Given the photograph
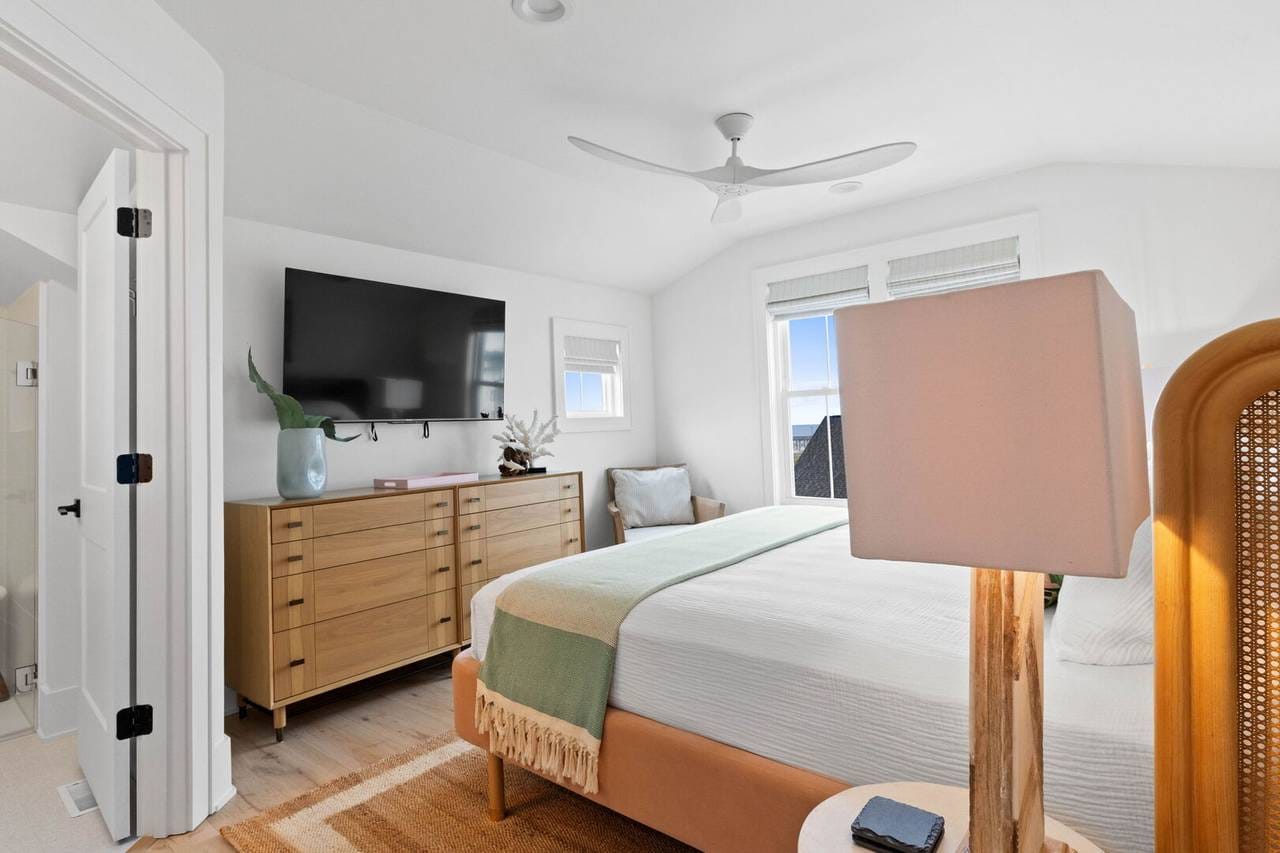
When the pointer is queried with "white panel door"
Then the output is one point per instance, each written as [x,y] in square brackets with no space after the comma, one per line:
[104,275]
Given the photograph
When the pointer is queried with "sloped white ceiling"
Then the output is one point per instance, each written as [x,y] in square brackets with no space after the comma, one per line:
[441,126]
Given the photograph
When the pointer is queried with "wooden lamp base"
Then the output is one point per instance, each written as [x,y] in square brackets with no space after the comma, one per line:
[1006,714]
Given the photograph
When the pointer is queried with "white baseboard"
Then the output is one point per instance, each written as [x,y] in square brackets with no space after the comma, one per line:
[56,711]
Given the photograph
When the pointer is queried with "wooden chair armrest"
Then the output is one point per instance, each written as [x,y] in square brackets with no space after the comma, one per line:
[619,529]
[706,509]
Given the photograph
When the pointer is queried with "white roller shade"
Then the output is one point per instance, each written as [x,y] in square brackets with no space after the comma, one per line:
[825,291]
[591,355]
[955,269]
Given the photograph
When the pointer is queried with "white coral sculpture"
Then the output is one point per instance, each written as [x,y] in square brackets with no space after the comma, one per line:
[527,441]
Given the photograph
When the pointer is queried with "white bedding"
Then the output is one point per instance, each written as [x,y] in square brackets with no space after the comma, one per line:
[858,669]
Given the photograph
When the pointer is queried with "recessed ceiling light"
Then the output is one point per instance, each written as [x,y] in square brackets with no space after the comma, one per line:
[539,11]
[845,187]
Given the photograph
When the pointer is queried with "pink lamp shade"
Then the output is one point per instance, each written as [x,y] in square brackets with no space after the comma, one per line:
[1000,427]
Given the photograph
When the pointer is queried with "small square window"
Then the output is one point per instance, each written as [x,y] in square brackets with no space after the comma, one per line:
[591,370]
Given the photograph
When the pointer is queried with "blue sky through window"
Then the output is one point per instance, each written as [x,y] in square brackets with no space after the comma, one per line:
[583,392]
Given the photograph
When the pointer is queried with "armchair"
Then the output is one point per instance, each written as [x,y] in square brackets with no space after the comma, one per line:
[704,509]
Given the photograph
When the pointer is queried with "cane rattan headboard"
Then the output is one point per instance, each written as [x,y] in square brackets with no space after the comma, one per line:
[1217,540]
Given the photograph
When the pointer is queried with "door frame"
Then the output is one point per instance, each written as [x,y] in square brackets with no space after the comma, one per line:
[130,67]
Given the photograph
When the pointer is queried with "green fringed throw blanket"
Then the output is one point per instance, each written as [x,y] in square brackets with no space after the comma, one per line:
[544,684]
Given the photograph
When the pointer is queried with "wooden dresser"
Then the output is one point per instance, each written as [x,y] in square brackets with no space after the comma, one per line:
[324,592]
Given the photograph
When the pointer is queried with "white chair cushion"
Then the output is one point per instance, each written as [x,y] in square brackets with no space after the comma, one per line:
[1106,621]
[643,534]
[652,498]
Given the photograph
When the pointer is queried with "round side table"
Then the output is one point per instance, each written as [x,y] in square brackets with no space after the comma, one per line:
[826,829]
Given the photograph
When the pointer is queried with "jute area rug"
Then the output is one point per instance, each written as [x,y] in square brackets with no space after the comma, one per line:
[433,798]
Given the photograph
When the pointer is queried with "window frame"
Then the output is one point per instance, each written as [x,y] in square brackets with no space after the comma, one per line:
[616,390]
[771,342]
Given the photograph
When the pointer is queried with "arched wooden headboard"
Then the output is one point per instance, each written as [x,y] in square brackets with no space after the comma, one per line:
[1217,547]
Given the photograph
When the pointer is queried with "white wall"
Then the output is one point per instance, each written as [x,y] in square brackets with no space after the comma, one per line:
[1194,251]
[256,256]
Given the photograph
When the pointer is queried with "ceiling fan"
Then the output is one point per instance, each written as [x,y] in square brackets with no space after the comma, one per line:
[736,179]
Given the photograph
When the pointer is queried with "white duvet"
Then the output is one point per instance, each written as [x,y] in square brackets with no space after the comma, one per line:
[858,669]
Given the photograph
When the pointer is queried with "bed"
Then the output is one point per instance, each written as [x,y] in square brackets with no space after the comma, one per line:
[856,671]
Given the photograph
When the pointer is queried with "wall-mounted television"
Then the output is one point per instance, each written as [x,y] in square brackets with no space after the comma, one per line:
[359,350]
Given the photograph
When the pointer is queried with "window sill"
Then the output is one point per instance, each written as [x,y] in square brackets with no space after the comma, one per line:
[606,424]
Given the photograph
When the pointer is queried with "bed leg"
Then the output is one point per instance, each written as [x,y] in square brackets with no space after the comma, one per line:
[497,789]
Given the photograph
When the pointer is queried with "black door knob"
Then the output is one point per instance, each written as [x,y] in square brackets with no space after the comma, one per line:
[72,508]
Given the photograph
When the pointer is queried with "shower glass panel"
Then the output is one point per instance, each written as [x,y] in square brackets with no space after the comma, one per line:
[18,354]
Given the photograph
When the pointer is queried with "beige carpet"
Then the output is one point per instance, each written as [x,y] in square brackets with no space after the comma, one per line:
[433,798]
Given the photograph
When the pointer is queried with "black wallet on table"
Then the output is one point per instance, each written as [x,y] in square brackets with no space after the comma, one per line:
[895,827]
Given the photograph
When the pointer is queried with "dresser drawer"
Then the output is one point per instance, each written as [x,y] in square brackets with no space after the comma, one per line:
[470,499]
[439,504]
[290,558]
[570,509]
[472,526]
[373,583]
[348,516]
[293,602]
[442,616]
[567,487]
[351,645]
[293,662]
[290,525]
[439,532]
[370,544]
[517,491]
[498,522]
[516,550]
[570,538]
[465,594]
[471,562]
[442,569]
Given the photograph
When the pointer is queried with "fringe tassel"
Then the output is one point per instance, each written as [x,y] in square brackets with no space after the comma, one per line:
[535,746]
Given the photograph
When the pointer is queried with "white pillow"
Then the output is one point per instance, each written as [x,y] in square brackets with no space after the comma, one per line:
[653,498]
[1110,622]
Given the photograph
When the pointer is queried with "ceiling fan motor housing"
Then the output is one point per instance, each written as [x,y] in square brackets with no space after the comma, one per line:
[734,126]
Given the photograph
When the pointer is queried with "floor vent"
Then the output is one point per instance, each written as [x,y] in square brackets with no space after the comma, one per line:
[77,797]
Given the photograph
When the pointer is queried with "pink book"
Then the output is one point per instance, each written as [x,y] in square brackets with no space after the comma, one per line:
[425,481]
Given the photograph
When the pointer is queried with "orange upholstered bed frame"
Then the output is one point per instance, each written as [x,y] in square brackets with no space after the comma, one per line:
[706,794]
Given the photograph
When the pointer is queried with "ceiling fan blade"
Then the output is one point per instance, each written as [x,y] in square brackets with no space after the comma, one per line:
[633,162]
[728,209]
[834,168]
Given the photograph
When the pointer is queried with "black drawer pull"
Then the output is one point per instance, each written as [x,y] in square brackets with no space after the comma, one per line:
[294,602]
[568,510]
[298,662]
[442,504]
[444,619]
[442,532]
[574,539]
[443,569]
[474,527]
[295,558]
[476,562]
[473,500]
[293,524]
[568,485]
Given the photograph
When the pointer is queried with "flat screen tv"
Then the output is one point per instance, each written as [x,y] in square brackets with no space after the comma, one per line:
[360,350]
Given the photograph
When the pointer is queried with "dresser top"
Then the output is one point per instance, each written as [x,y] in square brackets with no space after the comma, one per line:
[278,502]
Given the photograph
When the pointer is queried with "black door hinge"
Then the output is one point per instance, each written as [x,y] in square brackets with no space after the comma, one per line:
[133,468]
[133,722]
[133,222]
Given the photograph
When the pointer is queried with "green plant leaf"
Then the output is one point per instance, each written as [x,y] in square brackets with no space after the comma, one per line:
[288,410]
[326,424]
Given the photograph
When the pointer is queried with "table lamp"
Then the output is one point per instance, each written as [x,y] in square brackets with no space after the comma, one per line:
[999,428]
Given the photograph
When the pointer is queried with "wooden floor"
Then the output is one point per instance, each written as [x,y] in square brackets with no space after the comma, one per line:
[326,738]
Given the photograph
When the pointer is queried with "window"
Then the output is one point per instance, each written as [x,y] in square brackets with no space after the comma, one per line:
[590,369]
[802,412]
